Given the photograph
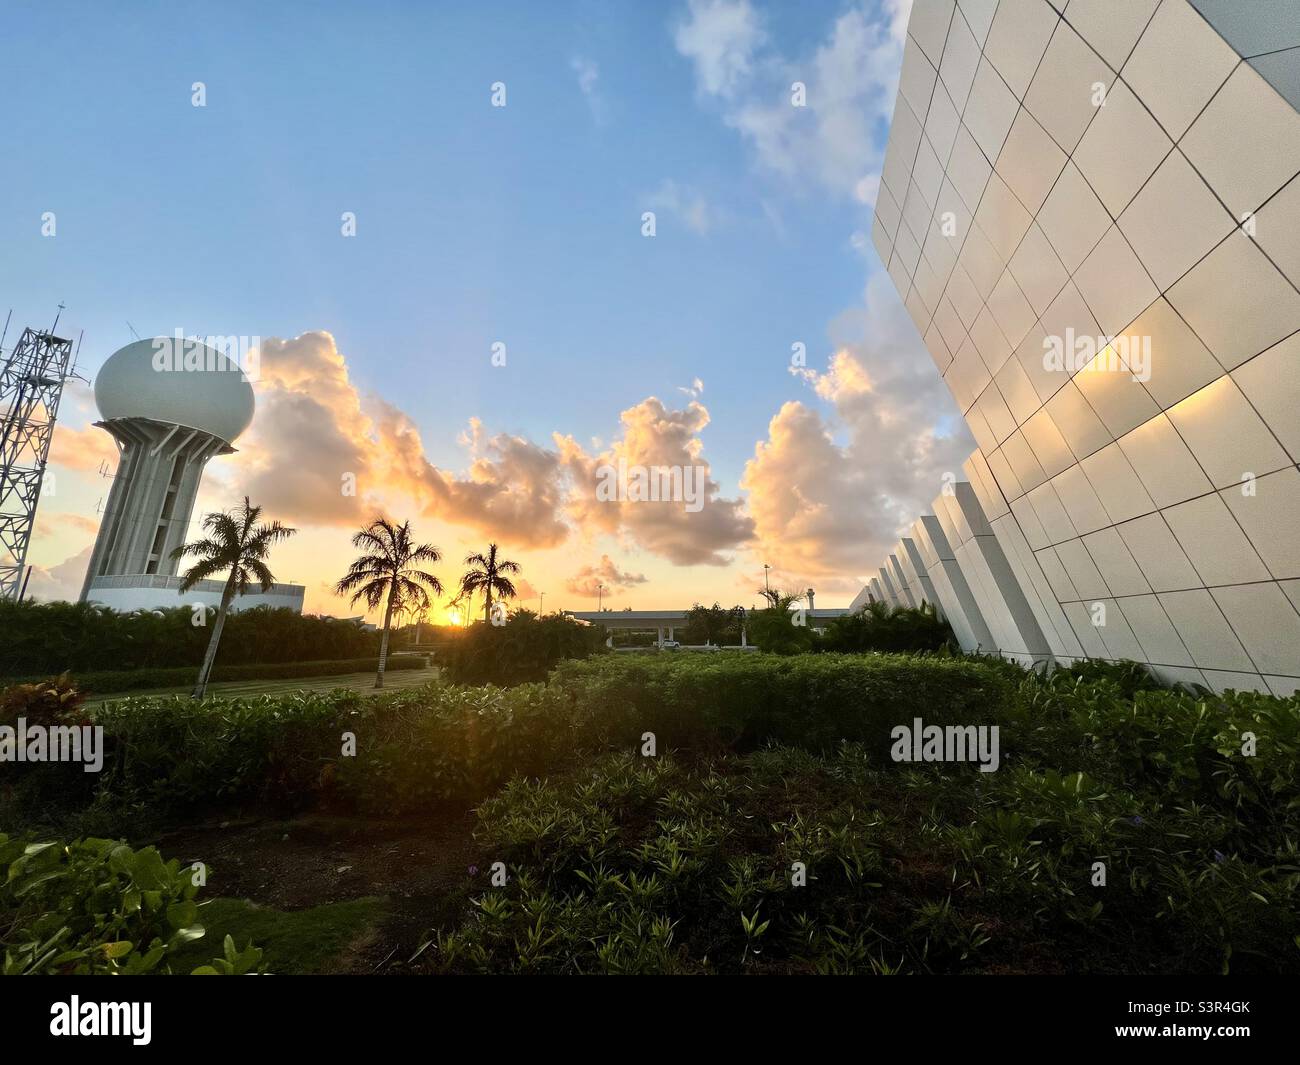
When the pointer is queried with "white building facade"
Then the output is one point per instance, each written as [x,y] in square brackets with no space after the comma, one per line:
[1091,210]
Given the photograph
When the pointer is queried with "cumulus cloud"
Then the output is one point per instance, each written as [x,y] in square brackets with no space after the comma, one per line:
[62,581]
[315,433]
[721,37]
[514,490]
[654,435]
[850,81]
[589,579]
[827,509]
[84,450]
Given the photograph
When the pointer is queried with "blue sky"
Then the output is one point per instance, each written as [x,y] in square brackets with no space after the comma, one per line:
[475,224]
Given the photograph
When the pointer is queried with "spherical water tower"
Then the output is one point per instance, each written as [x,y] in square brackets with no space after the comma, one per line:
[170,405]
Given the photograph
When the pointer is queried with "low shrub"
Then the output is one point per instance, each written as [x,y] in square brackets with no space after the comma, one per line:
[112,682]
[95,906]
[879,627]
[523,650]
[744,700]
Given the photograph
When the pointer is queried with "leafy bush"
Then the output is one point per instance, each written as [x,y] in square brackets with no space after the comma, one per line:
[773,630]
[879,627]
[526,648]
[95,906]
[111,682]
[38,639]
[744,699]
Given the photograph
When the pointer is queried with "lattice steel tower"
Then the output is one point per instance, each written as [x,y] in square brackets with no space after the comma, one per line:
[31,385]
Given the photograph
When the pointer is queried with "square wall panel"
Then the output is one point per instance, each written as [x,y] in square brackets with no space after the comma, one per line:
[990,110]
[1018,390]
[1049,445]
[1246,143]
[1205,632]
[1153,547]
[1030,161]
[1154,631]
[1112,29]
[1277,226]
[1052,515]
[928,25]
[1011,310]
[1066,85]
[1214,542]
[1018,38]
[1077,421]
[1266,624]
[916,79]
[965,300]
[1121,149]
[1225,434]
[1271,520]
[982,263]
[1037,269]
[1001,217]
[1236,301]
[889,213]
[1166,468]
[978,15]
[990,341]
[1084,574]
[1116,485]
[1114,393]
[1174,221]
[941,123]
[1122,575]
[1072,218]
[1271,381]
[1178,363]
[1114,283]
[961,57]
[880,240]
[1178,64]
[1081,503]
[968,169]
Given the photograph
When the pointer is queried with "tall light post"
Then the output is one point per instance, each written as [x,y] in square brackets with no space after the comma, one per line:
[766,567]
[541,604]
[600,596]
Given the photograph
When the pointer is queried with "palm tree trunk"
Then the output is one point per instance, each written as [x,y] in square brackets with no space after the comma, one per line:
[383,642]
[487,609]
[210,655]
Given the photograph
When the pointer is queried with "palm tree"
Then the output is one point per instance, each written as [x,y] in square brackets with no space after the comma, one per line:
[488,574]
[389,568]
[236,542]
[779,600]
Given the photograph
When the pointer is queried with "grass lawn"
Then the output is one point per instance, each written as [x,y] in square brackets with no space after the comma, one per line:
[234,689]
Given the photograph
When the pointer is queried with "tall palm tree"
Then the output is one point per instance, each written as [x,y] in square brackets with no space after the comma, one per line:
[488,573]
[389,568]
[235,541]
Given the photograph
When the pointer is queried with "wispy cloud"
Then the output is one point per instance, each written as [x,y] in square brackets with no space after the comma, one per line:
[588,73]
[683,202]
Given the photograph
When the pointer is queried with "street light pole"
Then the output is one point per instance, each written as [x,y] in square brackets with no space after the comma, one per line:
[766,567]
[600,596]
[541,604]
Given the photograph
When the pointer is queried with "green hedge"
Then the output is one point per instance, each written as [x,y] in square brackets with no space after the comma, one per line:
[745,700]
[110,682]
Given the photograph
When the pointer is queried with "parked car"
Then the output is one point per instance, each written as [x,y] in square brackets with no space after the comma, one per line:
[670,645]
